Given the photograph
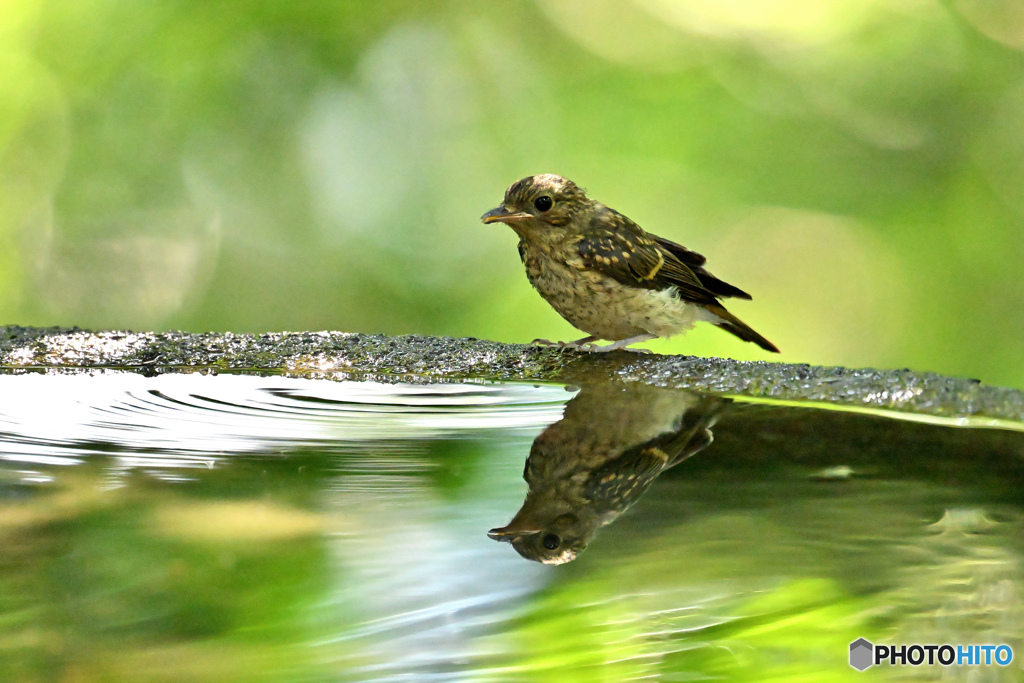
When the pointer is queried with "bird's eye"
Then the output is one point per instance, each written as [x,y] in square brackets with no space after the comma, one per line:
[543,203]
[551,541]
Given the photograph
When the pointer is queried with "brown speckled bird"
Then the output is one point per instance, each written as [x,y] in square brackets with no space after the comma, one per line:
[607,276]
[588,468]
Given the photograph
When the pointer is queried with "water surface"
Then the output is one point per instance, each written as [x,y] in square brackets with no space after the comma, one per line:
[240,528]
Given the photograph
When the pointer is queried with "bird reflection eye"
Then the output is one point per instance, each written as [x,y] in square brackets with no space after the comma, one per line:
[551,541]
[543,203]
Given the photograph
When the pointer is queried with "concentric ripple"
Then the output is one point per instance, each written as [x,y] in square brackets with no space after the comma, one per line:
[192,420]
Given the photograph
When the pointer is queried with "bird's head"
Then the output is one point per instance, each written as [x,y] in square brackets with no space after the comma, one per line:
[539,205]
[543,535]
[557,542]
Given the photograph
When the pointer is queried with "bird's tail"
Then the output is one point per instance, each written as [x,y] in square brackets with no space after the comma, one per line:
[694,433]
[730,323]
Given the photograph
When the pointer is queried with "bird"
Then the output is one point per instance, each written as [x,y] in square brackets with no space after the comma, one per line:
[584,471]
[605,274]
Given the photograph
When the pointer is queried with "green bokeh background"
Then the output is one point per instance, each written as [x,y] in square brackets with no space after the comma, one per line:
[857,165]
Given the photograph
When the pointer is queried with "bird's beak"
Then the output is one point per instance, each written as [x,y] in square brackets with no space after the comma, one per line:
[507,533]
[503,215]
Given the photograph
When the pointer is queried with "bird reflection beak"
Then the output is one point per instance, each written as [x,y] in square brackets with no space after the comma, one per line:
[503,215]
[507,533]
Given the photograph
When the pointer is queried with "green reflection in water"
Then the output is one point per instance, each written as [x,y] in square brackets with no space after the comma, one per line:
[761,557]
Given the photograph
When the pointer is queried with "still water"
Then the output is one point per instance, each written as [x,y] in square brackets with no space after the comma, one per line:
[185,527]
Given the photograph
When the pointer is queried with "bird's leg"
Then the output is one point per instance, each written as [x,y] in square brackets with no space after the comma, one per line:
[623,343]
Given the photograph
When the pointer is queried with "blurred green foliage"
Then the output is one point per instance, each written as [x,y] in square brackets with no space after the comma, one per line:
[857,165]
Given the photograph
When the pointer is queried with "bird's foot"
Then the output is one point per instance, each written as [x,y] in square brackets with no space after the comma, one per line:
[623,343]
[585,344]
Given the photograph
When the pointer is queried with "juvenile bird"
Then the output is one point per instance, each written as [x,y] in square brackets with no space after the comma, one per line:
[607,276]
[588,468]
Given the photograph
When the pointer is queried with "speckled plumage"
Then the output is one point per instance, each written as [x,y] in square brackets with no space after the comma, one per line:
[588,468]
[600,305]
[607,276]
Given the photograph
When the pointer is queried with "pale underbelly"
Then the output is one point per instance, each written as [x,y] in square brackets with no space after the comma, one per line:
[605,308]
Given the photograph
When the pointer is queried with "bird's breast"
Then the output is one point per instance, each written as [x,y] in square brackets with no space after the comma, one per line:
[600,305]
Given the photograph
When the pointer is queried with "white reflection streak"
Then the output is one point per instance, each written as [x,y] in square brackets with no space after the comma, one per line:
[58,419]
[429,592]
[418,616]
[39,459]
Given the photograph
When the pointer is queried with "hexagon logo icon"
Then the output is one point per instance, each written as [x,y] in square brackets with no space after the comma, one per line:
[861,652]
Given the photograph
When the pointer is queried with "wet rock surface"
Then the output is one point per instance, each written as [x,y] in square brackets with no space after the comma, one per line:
[340,355]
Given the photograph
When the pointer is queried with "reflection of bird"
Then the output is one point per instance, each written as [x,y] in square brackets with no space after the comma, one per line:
[588,468]
[607,276]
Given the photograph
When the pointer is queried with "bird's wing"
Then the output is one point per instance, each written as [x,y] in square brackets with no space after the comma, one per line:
[624,479]
[695,261]
[617,484]
[617,247]
[690,258]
